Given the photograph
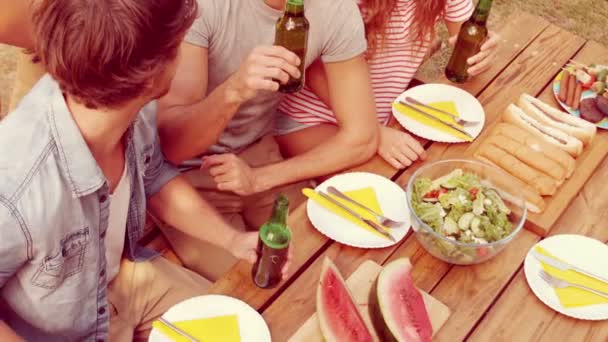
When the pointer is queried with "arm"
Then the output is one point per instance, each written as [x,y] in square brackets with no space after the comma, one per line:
[184,113]
[351,98]
[179,116]
[180,205]
[7,334]
[15,24]
[174,201]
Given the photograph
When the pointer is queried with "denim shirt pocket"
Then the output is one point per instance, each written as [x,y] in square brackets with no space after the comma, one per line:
[66,262]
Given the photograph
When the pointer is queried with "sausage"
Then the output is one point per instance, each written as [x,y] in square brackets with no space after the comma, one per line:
[563,86]
[577,95]
[571,90]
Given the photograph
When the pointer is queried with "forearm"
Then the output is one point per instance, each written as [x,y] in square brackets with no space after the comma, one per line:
[187,131]
[16,25]
[181,206]
[8,335]
[342,151]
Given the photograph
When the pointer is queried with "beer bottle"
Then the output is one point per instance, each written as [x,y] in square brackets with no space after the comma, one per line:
[292,33]
[273,246]
[470,38]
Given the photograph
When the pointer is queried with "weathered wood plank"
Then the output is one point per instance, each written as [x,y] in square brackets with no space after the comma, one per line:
[470,290]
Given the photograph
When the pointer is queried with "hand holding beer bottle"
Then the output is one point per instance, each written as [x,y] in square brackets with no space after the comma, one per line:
[273,247]
[472,52]
[292,33]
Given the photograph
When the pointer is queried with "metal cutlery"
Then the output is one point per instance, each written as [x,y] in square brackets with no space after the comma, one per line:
[436,119]
[458,119]
[370,223]
[177,330]
[561,283]
[383,220]
[564,266]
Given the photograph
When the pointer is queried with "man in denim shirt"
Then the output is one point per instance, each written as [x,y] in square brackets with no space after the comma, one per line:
[79,161]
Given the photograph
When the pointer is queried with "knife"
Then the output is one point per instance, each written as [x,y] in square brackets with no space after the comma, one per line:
[564,266]
[370,223]
[455,117]
[434,118]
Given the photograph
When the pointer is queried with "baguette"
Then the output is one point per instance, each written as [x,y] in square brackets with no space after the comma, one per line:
[544,184]
[552,135]
[550,151]
[534,201]
[547,115]
[530,157]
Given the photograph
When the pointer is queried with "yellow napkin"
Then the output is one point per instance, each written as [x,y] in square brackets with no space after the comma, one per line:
[571,297]
[447,106]
[365,196]
[215,329]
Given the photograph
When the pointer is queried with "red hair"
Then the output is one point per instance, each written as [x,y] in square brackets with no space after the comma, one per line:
[377,13]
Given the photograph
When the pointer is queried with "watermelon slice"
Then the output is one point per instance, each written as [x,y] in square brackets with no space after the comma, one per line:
[339,316]
[397,307]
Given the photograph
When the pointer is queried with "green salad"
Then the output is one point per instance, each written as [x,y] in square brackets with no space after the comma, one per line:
[460,208]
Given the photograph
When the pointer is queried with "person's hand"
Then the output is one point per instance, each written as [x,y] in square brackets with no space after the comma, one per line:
[231,173]
[486,56]
[262,70]
[399,149]
[243,245]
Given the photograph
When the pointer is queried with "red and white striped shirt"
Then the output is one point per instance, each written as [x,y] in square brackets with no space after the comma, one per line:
[391,69]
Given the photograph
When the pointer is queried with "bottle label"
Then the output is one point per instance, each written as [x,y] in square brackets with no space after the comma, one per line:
[295,2]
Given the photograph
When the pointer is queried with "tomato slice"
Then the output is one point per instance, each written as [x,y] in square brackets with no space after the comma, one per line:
[474,192]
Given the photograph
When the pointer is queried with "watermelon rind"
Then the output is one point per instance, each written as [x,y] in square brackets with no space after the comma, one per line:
[329,334]
[386,325]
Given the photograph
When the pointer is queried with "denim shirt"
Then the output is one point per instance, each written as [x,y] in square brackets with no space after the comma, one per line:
[54,216]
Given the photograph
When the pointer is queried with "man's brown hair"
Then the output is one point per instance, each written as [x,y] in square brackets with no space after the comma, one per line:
[107,52]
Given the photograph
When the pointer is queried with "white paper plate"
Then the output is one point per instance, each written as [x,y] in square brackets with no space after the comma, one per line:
[578,250]
[467,105]
[251,324]
[392,200]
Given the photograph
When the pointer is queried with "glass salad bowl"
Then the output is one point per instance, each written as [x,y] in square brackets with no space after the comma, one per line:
[465,212]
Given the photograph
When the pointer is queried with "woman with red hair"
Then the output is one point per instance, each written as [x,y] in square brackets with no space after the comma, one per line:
[400,35]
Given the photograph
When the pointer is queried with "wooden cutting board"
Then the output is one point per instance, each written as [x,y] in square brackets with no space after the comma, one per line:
[360,283]
[586,163]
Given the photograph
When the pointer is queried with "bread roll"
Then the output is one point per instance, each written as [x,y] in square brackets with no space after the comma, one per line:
[552,135]
[550,151]
[544,184]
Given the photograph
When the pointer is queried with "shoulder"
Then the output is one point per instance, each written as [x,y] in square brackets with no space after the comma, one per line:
[25,140]
[337,9]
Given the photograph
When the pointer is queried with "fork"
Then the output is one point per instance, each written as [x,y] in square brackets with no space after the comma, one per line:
[561,283]
[177,330]
[383,220]
[456,118]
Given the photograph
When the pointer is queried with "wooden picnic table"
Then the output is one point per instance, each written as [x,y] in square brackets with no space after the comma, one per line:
[489,301]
